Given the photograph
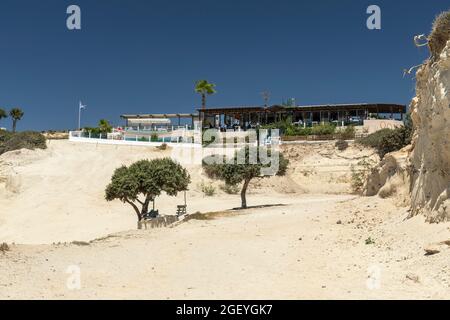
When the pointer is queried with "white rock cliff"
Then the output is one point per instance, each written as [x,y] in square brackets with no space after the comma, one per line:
[430,158]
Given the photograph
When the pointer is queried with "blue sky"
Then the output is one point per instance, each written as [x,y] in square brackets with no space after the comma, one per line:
[143,56]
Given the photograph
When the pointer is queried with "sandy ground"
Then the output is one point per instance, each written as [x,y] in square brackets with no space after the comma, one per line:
[57,195]
[315,246]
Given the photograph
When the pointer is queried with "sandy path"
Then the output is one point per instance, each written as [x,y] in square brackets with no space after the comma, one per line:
[293,252]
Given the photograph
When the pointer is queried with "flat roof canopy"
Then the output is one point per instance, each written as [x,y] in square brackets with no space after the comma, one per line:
[160,116]
[371,107]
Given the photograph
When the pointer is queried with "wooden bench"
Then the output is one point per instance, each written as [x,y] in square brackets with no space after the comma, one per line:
[181,209]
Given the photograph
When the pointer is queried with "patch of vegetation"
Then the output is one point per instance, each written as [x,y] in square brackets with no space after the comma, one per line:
[388,140]
[287,128]
[230,189]
[341,145]
[197,216]
[22,140]
[247,164]
[4,247]
[154,137]
[440,34]
[369,241]
[208,189]
[162,146]
[102,129]
[359,175]
[347,133]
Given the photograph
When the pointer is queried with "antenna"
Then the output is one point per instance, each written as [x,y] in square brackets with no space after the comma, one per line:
[266,96]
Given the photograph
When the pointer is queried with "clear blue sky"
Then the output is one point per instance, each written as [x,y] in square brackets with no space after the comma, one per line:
[143,56]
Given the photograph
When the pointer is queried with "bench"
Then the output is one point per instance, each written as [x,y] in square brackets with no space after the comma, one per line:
[181,209]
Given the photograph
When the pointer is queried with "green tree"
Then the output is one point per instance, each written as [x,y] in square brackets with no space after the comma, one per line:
[143,181]
[104,126]
[16,114]
[247,164]
[204,88]
[3,114]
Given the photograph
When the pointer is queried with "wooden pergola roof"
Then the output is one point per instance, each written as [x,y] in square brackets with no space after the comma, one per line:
[371,107]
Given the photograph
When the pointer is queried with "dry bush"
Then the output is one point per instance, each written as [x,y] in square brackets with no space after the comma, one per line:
[341,145]
[440,34]
[4,247]
[21,140]
[163,146]
[230,188]
[208,189]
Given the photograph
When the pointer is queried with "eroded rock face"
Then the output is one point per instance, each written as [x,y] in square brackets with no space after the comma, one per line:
[430,158]
[391,178]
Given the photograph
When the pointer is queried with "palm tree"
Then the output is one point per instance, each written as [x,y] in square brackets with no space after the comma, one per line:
[3,114]
[104,126]
[16,114]
[204,88]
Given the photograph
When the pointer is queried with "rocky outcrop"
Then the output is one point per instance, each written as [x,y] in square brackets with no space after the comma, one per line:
[430,158]
[390,178]
[419,175]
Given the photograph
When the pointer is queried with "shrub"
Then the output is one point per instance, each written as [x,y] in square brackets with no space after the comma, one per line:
[162,146]
[208,189]
[324,129]
[440,34]
[21,140]
[341,145]
[154,137]
[4,247]
[230,188]
[388,140]
[348,133]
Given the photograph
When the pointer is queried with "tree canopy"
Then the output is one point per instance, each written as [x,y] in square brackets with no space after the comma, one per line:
[143,181]
[248,163]
[16,114]
[204,88]
[3,114]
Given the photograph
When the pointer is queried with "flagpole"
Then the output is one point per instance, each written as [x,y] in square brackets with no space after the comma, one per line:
[79,116]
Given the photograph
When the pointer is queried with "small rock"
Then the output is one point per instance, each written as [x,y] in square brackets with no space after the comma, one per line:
[80,243]
[430,250]
[413,277]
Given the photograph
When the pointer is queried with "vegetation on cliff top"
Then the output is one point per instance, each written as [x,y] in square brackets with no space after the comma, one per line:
[10,141]
[440,33]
